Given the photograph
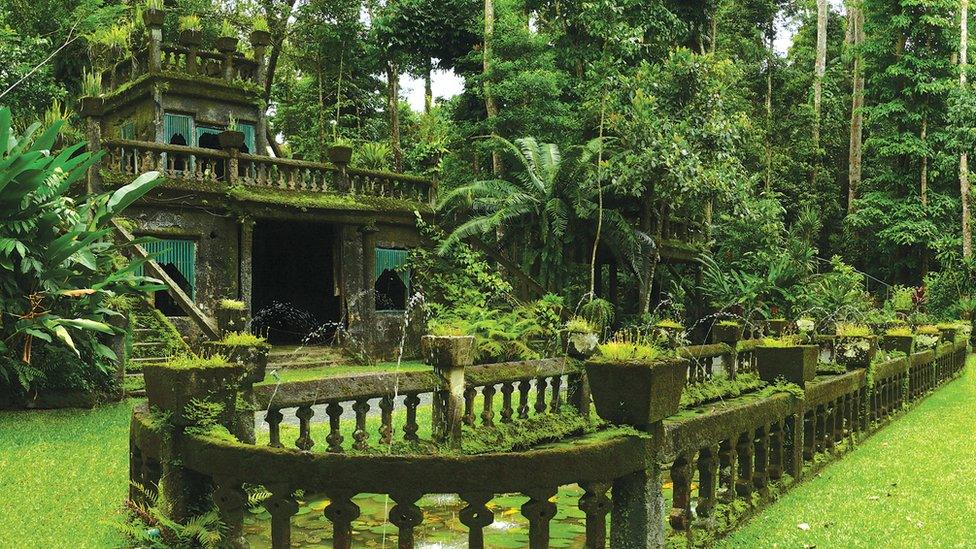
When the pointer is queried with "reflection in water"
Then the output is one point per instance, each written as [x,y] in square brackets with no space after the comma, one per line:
[441,528]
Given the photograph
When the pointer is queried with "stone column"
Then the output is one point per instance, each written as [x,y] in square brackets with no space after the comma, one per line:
[449,355]
[246,247]
[354,293]
[637,518]
[259,42]
[117,344]
[155,49]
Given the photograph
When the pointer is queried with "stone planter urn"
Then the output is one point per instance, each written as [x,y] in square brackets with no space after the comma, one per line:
[856,351]
[949,333]
[231,319]
[776,326]
[191,38]
[581,345]
[172,388]
[260,38]
[153,18]
[226,44]
[447,352]
[636,393]
[253,357]
[340,154]
[903,343]
[91,106]
[230,139]
[669,334]
[727,332]
[796,363]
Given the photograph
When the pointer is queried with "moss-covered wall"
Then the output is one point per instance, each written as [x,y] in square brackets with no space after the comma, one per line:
[217,251]
[140,112]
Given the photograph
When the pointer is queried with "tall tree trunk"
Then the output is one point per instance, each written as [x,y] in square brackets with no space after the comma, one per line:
[491,107]
[967,235]
[769,108]
[923,179]
[393,110]
[428,88]
[819,67]
[856,21]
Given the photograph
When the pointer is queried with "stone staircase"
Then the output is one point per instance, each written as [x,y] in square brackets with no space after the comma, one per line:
[154,340]
[284,357]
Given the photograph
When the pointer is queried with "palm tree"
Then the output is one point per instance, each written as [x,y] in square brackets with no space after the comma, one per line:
[541,201]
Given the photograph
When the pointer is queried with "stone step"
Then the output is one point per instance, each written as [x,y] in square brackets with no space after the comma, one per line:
[151,359]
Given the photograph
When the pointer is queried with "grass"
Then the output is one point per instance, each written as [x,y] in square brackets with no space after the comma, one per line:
[907,485]
[318,372]
[63,475]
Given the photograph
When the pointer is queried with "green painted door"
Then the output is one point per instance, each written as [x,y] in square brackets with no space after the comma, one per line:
[178,124]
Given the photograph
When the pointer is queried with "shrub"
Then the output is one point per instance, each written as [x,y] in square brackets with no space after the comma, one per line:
[579,325]
[627,347]
[243,339]
[190,23]
[847,329]
[232,305]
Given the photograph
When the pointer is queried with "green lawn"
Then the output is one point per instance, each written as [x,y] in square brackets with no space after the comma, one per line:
[63,475]
[318,372]
[910,485]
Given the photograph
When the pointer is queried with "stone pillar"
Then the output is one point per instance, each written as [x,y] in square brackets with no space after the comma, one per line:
[91,111]
[259,42]
[230,174]
[357,300]
[246,249]
[637,518]
[175,391]
[449,355]
[118,346]
[155,49]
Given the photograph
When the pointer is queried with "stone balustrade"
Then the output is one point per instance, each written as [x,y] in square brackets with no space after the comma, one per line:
[724,459]
[231,167]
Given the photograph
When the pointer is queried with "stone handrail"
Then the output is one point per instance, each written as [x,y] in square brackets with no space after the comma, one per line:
[232,167]
[359,393]
[740,449]
[230,67]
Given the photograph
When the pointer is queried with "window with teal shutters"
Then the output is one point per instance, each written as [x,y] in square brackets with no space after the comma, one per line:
[178,254]
[391,281]
[178,124]
[205,130]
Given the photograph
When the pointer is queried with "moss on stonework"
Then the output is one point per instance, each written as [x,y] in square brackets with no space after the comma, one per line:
[316,200]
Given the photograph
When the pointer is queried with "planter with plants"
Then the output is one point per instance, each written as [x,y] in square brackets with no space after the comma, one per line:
[669,333]
[260,32]
[633,382]
[340,152]
[91,102]
[177,386]
[787,358]
[855,345]
[806,330]
[581,338]
[899,339]
[727,331]
[191,31]
[447,347]
[949,331]
[776,326]
[231,316]
[227,41]
[154,14]
[927,336]
[231,138]
[242,348]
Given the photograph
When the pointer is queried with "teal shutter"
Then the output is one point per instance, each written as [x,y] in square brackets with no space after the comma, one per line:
[178,124]
[128,130]
[203,130]
[181,253]
[391,259]
[248,131]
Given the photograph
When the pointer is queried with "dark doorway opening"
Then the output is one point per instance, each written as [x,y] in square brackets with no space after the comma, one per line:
[165,302]
[293,281]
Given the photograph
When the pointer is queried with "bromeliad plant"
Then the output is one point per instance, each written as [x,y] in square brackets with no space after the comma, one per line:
[856,345]
[58,266]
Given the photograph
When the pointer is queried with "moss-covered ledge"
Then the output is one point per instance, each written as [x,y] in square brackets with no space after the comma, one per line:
[708,425]
[828,388]
[298,393]
[593,458]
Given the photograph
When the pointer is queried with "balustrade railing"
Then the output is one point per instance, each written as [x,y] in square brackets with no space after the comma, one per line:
[726,451]
[233,168]
[230,67]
